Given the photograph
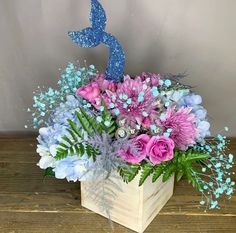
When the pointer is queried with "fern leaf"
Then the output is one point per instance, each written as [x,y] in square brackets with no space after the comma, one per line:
[85,124]
[129,173]
[169,170]
[158,170]
[147,169]
[75,128]
[180,173]
[49,172]
[92,121]
[196,156]
[72,134]
[66,139]
[91,152]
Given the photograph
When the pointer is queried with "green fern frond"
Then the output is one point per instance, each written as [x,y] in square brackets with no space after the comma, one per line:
[170,169]
[129,173]
[85,124]
[157,172]
[92,122]
[147,170]
[75,129]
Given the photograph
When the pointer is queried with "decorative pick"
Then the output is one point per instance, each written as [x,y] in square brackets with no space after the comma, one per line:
[95,35]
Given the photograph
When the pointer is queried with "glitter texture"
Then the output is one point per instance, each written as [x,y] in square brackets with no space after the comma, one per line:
[95,35]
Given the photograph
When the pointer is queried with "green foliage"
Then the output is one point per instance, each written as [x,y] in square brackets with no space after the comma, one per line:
[75,147]
[183,163]
[108,124]
[128,173]
[169,170]
[186,163]
[147,170]
[49,172]
[76,144]
[157,172]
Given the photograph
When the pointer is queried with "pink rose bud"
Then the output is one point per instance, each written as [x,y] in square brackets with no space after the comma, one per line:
[89,92]
[160,149]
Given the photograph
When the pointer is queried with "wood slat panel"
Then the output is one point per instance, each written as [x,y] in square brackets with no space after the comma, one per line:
[92,223]
[70,202]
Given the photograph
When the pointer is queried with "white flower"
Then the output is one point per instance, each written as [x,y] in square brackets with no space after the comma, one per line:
[46,158]
[53,150]
[46,161]
[42,150]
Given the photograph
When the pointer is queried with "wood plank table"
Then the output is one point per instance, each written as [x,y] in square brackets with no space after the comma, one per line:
[30,204]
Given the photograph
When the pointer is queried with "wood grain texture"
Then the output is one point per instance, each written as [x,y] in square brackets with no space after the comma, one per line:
[134,207]
[28,203]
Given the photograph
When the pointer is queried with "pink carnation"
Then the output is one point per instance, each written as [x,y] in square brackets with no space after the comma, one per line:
[183,125]
[133,100]
[138,154]
[160,149]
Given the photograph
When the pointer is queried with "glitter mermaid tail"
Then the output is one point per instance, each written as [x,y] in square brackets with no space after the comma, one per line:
[95,35]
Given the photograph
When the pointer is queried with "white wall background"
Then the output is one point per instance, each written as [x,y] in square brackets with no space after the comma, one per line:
[197,36]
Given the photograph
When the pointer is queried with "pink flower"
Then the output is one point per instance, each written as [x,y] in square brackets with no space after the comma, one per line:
[90,92]
[136,149]
[146,122]
[183,126]
[149,78]
[160,149]
[133,100]
[105,84]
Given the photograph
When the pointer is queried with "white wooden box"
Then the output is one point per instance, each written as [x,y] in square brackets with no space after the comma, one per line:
[135,207]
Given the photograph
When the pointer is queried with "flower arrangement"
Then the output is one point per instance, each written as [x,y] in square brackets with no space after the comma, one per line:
[149,124]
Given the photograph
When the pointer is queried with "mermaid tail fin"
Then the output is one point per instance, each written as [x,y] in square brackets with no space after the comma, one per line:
[95,35]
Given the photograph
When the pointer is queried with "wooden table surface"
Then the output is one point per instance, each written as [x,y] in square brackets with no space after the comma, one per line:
[30,204]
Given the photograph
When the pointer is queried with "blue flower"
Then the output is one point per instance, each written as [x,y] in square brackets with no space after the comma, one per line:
[194,102]
[73,168]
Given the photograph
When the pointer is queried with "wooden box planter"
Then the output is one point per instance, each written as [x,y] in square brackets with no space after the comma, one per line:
[135,207]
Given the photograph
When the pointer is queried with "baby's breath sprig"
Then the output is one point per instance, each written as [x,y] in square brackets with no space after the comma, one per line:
[45,101]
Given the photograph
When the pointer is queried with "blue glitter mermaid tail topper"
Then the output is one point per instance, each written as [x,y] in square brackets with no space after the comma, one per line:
[95,35]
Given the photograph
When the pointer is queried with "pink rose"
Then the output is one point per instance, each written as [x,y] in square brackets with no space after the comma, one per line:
[135,156]
[160,149]
[90,92]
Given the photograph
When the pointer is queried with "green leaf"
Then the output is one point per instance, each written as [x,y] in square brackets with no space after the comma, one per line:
[64,145]
[91,152]
[75,128]
[92,121]
[85,124]
[158,170]
[147,169]
[129,173]
[49,172]
[168,172]
[65,138]
[179,175]
[196,156]
[72,134]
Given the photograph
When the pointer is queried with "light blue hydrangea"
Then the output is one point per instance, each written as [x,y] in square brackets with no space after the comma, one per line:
[194,101]
[73,168]
[57,124]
